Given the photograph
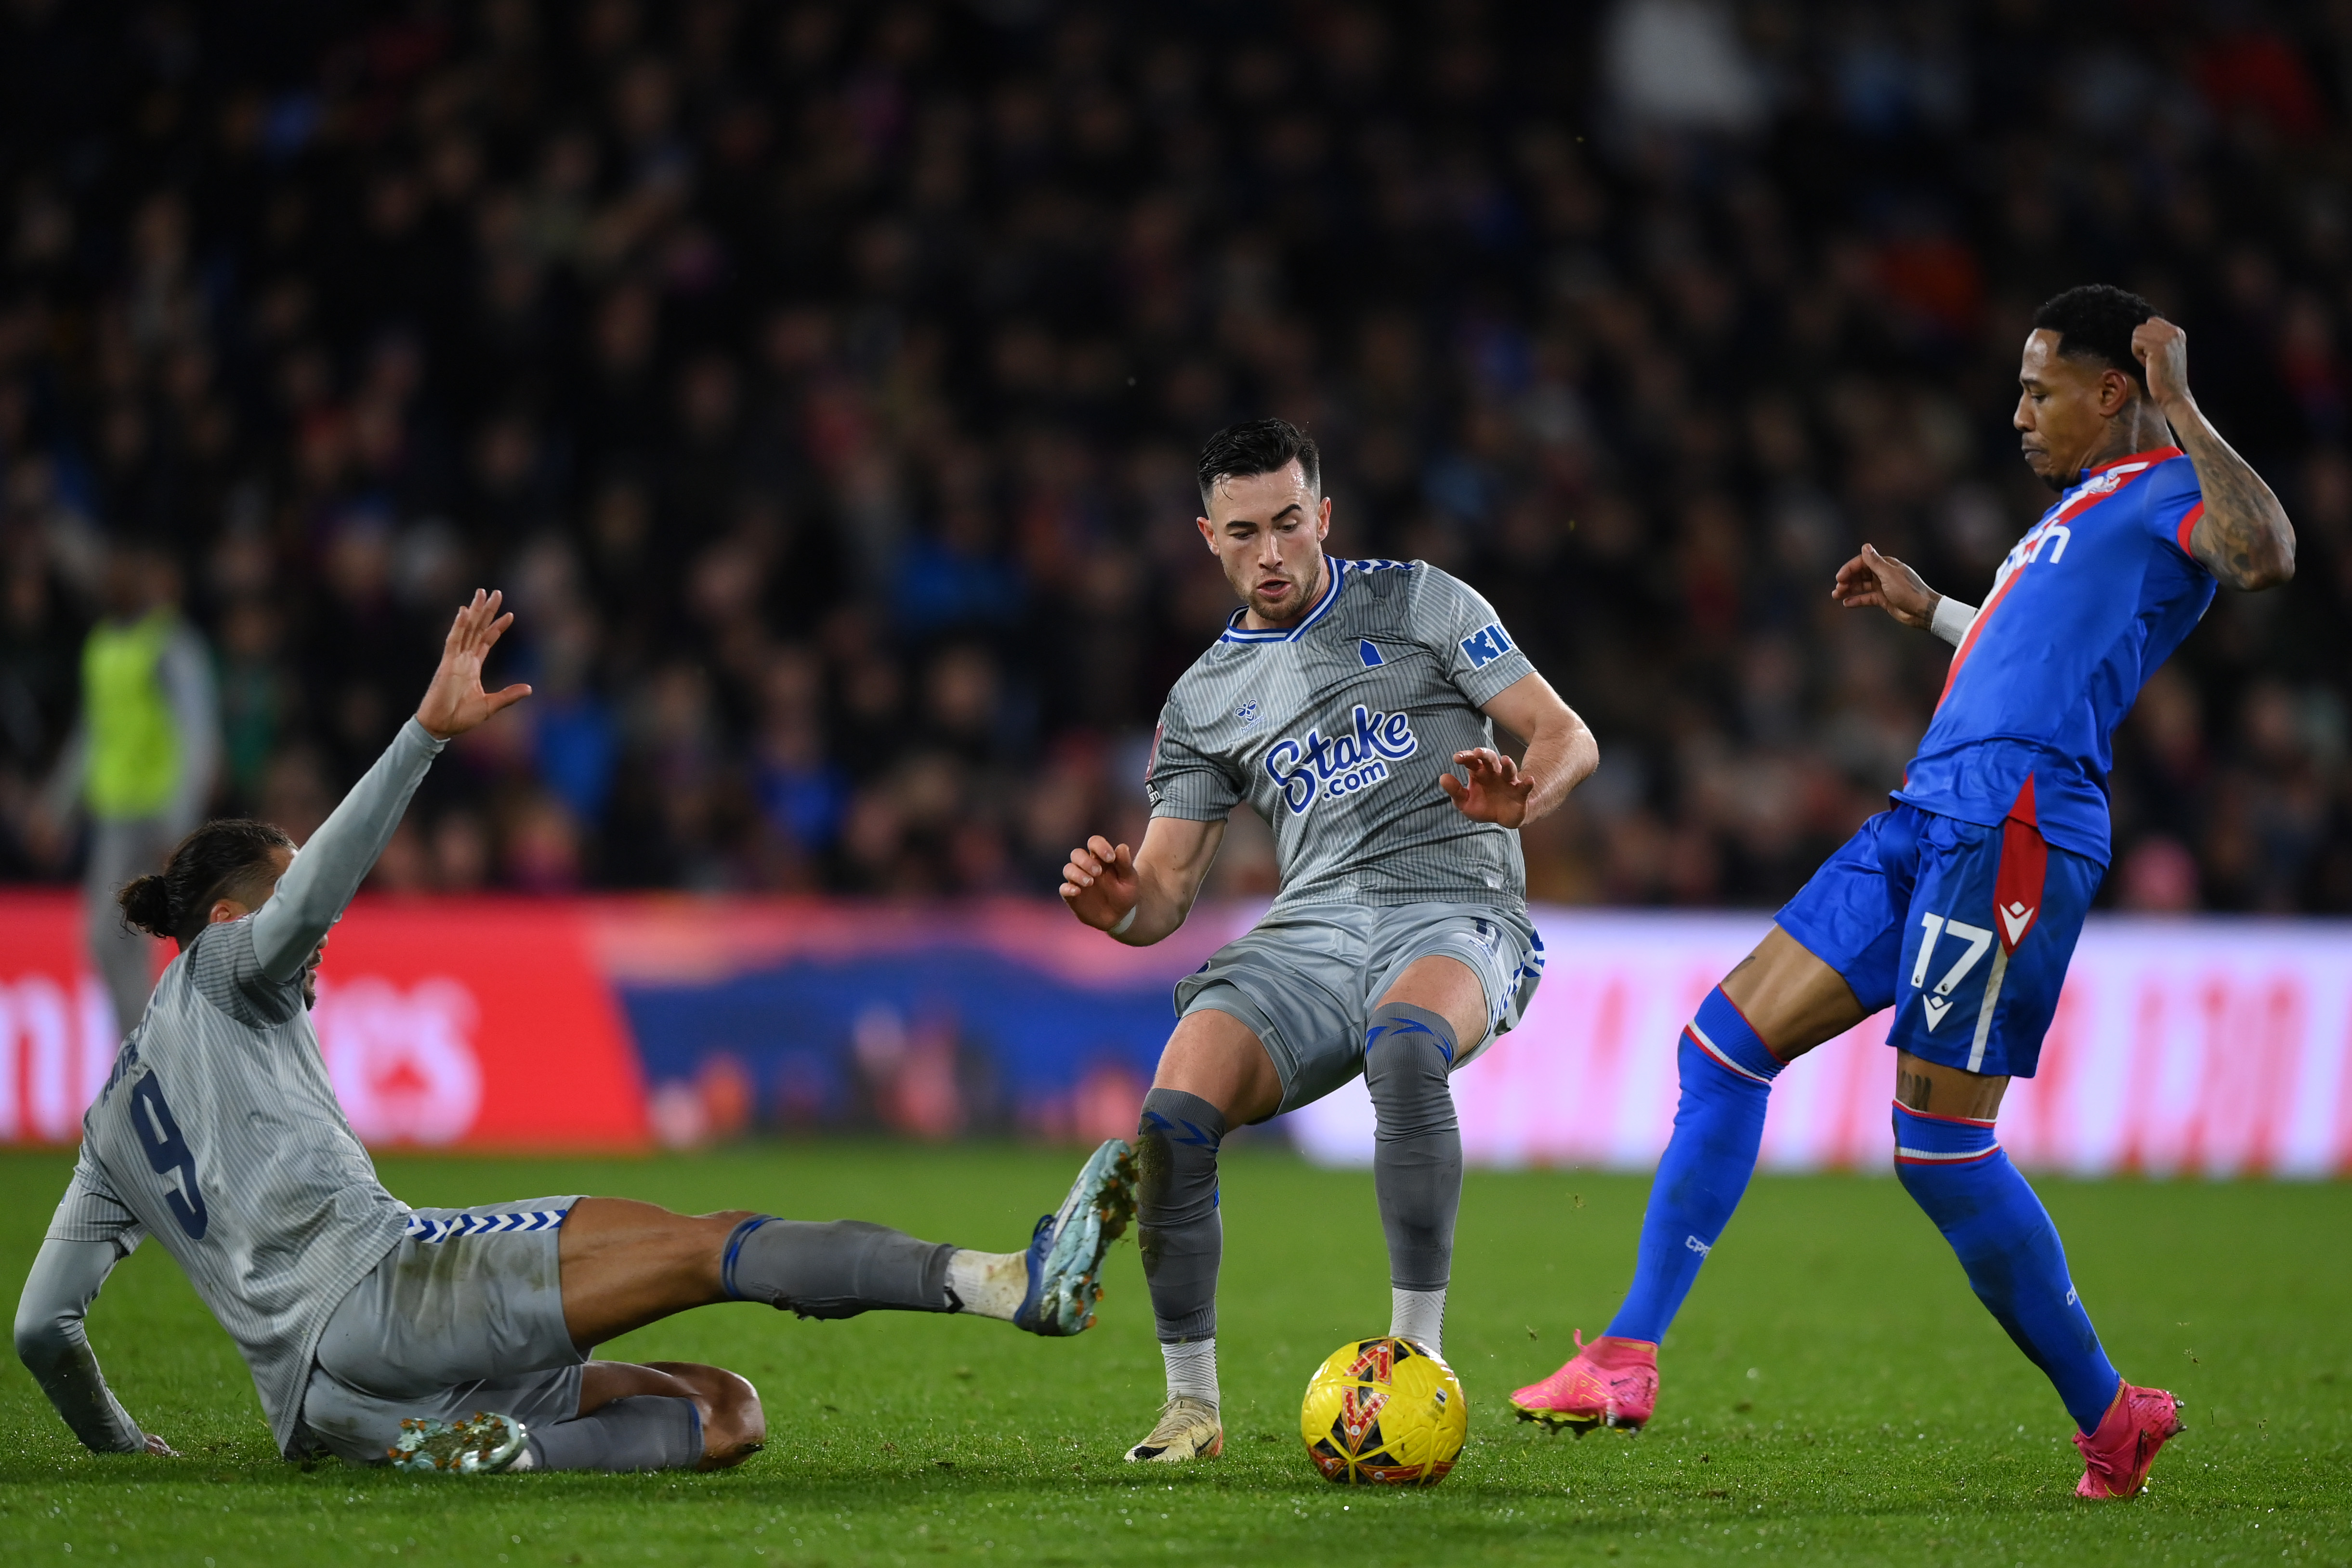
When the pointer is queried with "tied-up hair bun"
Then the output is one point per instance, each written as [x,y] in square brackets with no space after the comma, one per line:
[232,858]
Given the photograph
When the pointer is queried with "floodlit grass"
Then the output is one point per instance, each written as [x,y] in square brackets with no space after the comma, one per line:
[1832,1394]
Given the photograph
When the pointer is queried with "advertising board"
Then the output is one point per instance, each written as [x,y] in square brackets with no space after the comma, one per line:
[2207,1047]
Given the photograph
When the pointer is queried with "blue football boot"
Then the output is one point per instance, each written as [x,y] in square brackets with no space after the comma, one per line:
[1065,1253]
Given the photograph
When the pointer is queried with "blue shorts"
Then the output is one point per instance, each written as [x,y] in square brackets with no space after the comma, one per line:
[1964,930]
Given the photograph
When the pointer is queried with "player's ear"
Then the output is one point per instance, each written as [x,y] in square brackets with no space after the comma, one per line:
[1208,532]
[2117,391]
[1323,519]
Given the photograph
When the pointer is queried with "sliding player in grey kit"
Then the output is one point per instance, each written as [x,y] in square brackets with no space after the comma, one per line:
[1400,943]
[436,1339]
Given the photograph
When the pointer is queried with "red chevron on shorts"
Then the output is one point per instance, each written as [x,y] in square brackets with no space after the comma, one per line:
[2024,861]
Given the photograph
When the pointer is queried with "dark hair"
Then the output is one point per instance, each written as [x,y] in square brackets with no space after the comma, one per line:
[2096,322]
[227,858]
[1258,446]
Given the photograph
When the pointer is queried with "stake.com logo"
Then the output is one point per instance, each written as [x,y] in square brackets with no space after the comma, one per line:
[1316,768]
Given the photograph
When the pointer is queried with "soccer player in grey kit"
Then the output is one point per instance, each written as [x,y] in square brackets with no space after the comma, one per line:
[437,1339]
[1400,943]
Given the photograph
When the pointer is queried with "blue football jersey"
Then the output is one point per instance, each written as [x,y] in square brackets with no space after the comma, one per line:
[2088,604]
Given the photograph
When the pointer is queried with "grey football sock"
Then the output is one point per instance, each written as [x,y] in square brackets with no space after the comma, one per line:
[835,1269]
[1177,1227]
[646,1432]
[1417,1144]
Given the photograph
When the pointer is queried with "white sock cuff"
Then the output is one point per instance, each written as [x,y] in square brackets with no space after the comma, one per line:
[1420,1316]
[1191,1368]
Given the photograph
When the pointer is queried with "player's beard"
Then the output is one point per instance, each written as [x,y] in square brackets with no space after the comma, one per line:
[2056,480]
[1294,604]
[1281,614]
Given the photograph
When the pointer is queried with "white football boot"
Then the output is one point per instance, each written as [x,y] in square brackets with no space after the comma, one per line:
[1188,1429]
[482,1444]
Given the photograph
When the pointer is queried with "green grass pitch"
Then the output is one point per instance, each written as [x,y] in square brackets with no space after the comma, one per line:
[1832,1394]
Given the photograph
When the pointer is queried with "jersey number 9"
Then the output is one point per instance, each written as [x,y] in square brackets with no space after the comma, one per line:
[167,1152]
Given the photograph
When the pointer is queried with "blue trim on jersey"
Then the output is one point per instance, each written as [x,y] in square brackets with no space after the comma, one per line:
[1234,632]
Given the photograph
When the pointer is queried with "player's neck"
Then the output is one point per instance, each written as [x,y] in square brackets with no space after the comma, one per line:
[2138,428]
[1253,622]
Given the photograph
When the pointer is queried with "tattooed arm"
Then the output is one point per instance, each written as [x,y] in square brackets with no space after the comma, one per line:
[2243,537]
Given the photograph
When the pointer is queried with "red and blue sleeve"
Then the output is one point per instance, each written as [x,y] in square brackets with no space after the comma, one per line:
[2173,502]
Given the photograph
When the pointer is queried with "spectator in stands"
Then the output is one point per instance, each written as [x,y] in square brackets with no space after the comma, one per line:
[838,338]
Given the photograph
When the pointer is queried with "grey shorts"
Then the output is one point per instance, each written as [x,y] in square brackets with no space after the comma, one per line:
[466,1313]
[1306,980]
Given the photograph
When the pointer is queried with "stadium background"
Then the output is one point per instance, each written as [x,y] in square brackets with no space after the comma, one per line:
[821,381]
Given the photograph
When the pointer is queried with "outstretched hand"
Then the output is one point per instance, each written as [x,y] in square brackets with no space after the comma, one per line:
[1491,788]
[1871,578]
[456,702]
[1100,883]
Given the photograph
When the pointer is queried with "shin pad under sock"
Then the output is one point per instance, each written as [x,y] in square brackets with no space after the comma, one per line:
[835,1269]
[1954,1169]
[1416,1142]
[1178,1229]
[1726,1080]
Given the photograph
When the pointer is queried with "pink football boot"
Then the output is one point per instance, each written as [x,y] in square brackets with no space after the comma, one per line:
[2116,1456]
[1609,1383]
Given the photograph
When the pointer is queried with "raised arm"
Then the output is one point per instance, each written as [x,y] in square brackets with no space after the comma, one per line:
[2242,537]
[311,897]
[1140,897]
[52,1345]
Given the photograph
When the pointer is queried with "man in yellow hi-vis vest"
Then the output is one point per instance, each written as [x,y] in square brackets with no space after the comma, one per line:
[141,758]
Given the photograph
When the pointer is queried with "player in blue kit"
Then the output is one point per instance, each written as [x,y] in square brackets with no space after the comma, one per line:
[1959,906]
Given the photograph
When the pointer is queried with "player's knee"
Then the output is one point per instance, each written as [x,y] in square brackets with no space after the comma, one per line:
[1216,1057]
[1408,1054]
[1941,1159]
[734,1423]
[1176,1138]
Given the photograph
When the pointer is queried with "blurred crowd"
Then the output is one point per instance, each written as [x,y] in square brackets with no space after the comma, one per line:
[821,382]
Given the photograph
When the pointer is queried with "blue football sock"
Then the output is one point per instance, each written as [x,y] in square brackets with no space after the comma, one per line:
[1957,1172]
[1726,1077]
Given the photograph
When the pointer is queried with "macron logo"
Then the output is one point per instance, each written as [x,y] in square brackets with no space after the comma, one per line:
[1484,647]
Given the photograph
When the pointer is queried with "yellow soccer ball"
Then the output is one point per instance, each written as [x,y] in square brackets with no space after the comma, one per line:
[1385,1412]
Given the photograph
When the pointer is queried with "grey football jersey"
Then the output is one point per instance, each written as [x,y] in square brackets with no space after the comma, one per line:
[1336,730]
[218,1131]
